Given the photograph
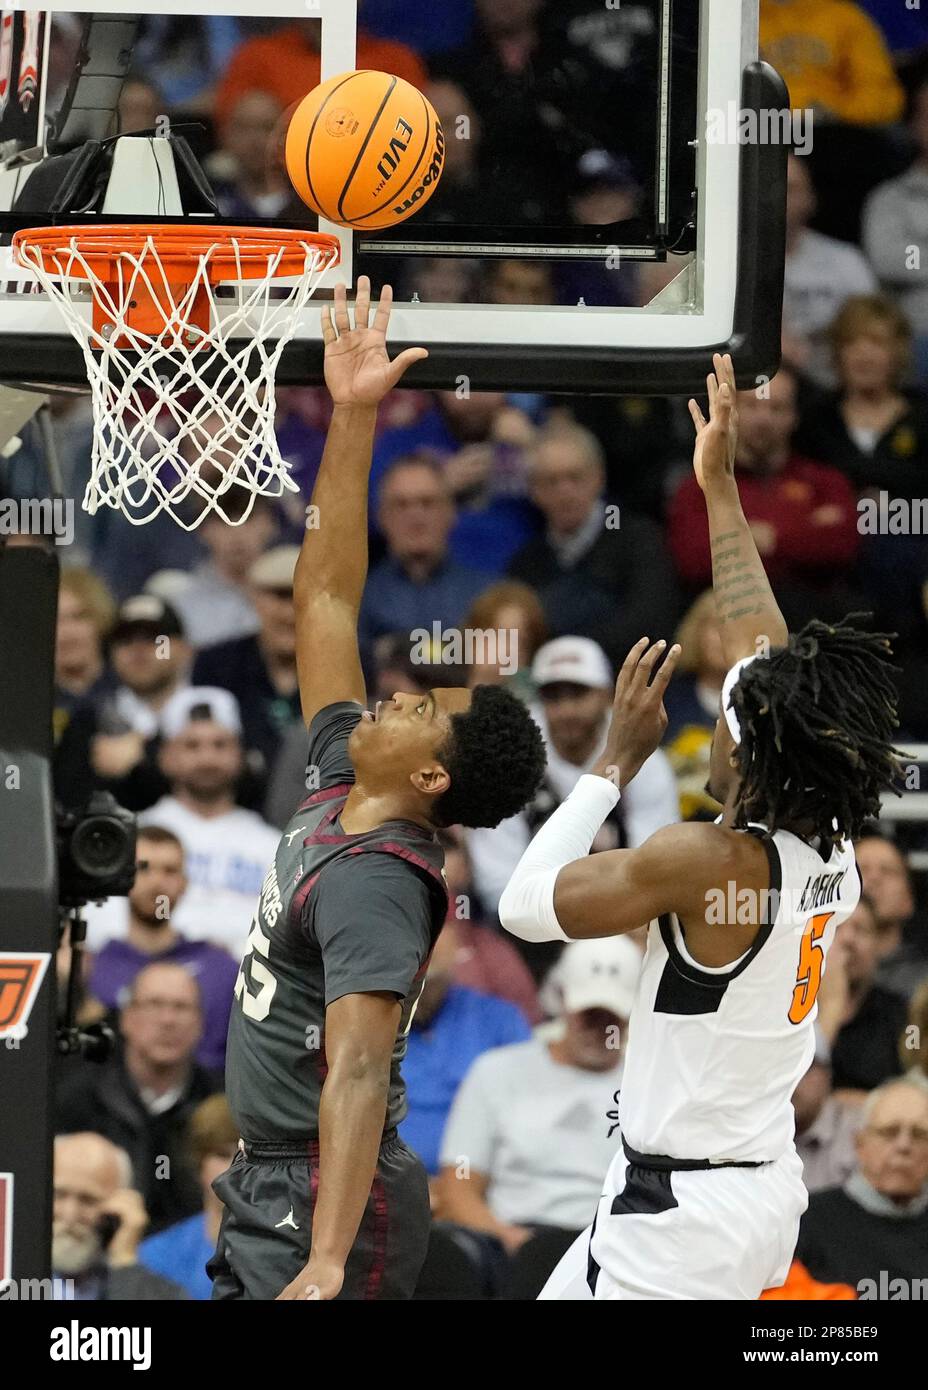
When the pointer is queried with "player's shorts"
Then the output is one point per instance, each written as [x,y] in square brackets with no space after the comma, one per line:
[719,1233]
[269,1193]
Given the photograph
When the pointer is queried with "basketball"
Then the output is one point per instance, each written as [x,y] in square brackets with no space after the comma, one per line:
[365,150]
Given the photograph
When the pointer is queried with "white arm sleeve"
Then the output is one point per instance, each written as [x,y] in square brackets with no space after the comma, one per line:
[526,908]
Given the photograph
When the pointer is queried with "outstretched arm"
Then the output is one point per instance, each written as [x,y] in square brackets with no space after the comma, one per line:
[747,610]
[360,1036]
[543,900]
[332,570]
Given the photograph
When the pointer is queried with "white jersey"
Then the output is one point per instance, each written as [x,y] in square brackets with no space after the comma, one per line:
[713,1056]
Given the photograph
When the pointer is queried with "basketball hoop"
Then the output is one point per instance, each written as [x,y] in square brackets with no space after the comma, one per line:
[188,326]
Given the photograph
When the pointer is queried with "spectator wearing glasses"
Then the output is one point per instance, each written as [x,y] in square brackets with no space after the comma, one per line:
[418,584]
[875,1227]
[599,573]
[142,1098]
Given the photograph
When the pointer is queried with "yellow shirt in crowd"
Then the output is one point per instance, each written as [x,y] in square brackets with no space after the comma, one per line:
[831,55]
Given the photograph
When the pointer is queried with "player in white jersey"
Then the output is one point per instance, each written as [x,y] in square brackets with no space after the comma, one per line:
[703,1200]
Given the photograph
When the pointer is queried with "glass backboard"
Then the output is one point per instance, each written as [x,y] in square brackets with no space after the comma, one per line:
[601,224]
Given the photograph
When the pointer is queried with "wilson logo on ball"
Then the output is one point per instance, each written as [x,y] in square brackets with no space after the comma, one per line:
[365,150]
[433,174]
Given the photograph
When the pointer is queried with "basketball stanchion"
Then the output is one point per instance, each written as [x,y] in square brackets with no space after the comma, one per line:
[188,326]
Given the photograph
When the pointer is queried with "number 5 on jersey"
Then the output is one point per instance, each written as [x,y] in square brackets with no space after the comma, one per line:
[809,973]
[255,1005]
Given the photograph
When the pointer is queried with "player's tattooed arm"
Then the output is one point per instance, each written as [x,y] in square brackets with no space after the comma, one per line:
[748,613]
[332,569]
[360,1035]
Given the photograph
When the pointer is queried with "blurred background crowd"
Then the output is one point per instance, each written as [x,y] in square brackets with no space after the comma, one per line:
[564,528]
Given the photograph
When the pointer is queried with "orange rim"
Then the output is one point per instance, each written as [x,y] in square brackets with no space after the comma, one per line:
[184,251]
[234,252]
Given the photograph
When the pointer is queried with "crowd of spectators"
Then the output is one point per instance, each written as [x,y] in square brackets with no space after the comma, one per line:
[565,528]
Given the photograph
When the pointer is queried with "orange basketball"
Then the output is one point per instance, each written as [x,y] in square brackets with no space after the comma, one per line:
[365,150]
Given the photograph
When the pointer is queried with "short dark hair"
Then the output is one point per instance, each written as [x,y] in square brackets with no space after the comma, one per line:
[496,760]
[157,835]
[817,719]
[429,459]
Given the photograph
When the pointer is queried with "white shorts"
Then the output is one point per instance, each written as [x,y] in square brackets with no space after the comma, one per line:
[721,1233]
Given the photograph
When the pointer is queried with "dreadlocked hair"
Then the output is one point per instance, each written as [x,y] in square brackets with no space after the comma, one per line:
[817,719]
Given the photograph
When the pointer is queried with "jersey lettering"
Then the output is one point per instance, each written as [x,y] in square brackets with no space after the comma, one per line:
[254,972]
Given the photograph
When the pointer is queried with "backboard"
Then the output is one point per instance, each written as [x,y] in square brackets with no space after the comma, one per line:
[602,224]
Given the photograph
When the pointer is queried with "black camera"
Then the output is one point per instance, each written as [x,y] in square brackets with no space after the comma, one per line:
[96,851]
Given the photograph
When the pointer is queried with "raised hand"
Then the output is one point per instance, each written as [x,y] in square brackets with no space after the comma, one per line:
[639,718]
[358,370]
[717,437]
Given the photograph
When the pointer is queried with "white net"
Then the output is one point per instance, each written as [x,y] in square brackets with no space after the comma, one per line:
[184,415]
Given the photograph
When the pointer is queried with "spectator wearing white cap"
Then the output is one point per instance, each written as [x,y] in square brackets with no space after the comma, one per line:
[533,1123]
[260,669]
[576,687]
[228,849]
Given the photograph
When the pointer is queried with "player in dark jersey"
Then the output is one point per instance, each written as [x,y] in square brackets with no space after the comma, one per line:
[323,1200]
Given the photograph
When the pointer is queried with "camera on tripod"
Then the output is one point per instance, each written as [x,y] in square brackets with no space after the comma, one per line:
[96,851]
[96,860]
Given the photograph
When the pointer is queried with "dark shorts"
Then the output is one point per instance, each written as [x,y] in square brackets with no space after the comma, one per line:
[264,1240]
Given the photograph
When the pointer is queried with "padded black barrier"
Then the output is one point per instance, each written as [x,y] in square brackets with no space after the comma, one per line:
[28,908]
